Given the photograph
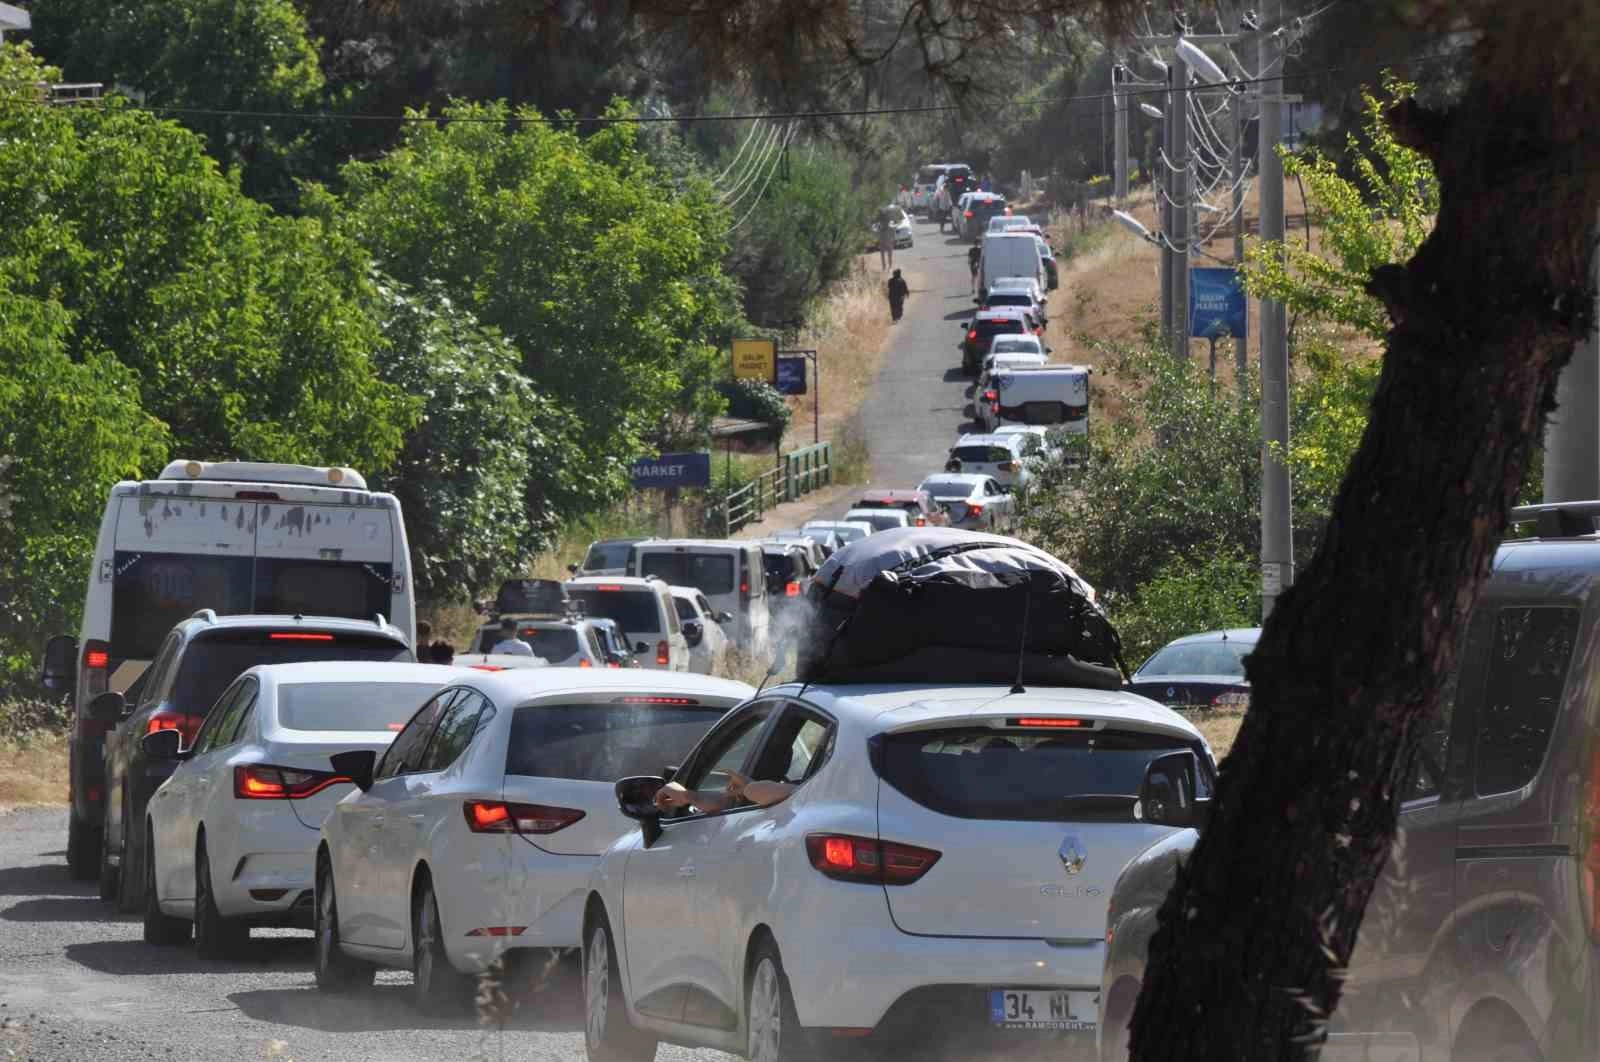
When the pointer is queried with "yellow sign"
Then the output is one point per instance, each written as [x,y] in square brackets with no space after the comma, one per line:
[755,359]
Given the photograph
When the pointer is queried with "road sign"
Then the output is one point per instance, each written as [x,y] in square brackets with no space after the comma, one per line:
[755,359]
[791,379]
[672,470]
[1217,304]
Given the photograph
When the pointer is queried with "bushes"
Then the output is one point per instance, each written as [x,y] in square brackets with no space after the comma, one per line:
[1186,596]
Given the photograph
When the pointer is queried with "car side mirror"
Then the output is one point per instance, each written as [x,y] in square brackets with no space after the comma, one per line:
[356,765]
[163,745]
[636,798]
[724,617]
[669,772]
[693,632]
[1167,796]
[108,707]
[58,670]
[573,568]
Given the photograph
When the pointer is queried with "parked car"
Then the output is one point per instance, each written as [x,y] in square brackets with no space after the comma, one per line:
[474,835]
[880,519]
[702,629]
[845,531]
[985,394]
[231,836]
[197,661]
[1199,671]
[606,556]
[988,324]
[728,572]
[974,502]
[998,456]
[641,607]
[936,876]
[916,503]
[559,642]
[1477,943]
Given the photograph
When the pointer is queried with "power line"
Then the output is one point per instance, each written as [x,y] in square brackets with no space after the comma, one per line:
[789,134]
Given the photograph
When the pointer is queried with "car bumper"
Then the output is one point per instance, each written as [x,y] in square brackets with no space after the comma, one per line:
[536,890]
[263,869]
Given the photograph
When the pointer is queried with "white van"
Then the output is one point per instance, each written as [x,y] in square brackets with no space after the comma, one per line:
[1010,254]
[730,573]
[1050,395]
[643,608]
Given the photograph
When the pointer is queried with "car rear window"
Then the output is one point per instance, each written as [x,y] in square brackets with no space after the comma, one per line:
[635,611]
[710,573]
[947,488]
[604,742]
[551,643]
[1026,775]
[1200,658]
[982,454]
[1000,326]
[1007,298]
[607,555]
[211,661]
[881,519]
[374,706]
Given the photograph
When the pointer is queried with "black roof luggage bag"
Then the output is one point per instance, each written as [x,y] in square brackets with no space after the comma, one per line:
[938,604]
[533,597]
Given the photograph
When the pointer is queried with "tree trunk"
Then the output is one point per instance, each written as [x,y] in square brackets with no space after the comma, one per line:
[1253,939]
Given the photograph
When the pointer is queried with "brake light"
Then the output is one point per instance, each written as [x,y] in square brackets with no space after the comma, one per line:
[94,679]
[791,590]
[298,636]
[972,334]
[969,213]
[495,816]
[663,653]
[657,700]
[608,587]
[584,663]
[184,724]
[1007,466]
[990,396]
[1235,699]
[1050,724]
[260,781]
[97,659]
[846,858]
[974,508]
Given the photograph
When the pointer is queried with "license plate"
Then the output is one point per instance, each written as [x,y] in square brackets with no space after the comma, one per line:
[1038,1008]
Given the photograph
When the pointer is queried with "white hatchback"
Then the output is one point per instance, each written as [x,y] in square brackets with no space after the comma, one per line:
[233,832]
[1000,456]
[476,832]
[937,873]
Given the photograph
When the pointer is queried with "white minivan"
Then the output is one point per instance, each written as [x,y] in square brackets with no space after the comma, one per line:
[730,573]
[1010,254]
[1051,395]
[231,536]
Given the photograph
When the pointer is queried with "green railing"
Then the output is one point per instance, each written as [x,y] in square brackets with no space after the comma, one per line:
[796,474]
[807,470]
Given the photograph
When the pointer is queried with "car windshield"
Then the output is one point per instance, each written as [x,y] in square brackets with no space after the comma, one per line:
[1199,658]
[635,611]
[980,773]
[371,706]
[212,661]
[982,454]
[1016,346]
[607,555]
[604,742]
[710,573]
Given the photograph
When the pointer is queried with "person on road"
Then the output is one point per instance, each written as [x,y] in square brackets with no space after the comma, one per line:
[509,644]
[885,240]
[974,256]
[898,290]
[740,789]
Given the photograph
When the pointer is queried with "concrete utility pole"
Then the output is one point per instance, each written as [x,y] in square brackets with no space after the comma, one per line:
[1241,344]
[1277,534]
[1182,209]
[1572,434]
[1164,206]
[1119,135]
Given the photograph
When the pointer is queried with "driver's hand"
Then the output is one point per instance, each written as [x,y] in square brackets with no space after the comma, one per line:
[672,796]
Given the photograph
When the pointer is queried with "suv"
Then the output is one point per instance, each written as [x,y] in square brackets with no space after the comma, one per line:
[643,608]
[918,505]
[954,183]
[976,212]
[1480,942]
[198,660]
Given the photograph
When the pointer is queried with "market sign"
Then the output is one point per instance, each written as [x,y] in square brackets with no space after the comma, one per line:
[755,359]
[672,470]
[1217,305]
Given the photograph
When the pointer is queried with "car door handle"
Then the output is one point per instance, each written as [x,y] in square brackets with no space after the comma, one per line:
[686,871]
[417,817]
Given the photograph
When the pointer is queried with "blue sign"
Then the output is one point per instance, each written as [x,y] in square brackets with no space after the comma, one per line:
[670,471]
[1217,304]
[792,376]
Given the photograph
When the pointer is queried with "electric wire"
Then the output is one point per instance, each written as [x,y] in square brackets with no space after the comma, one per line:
[735,195]
[719,178]
[789,134]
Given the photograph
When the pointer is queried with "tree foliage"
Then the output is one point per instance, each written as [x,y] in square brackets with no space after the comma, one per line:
[1217,592]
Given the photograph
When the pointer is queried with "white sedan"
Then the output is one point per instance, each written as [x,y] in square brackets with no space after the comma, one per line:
[974,501]
[234,830]
[931,865]
[476,832]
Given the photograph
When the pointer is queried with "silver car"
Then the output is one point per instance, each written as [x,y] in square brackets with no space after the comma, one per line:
[974,502]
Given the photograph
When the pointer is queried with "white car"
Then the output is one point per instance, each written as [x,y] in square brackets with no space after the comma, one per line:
[901,223]
[560,642]
[1000,456]
[1038,447]
[880,519]
[939,872]
[1016,291]
[702,629]
[846,531]
[644,610]
[233,832]
[476,832]
[974,502]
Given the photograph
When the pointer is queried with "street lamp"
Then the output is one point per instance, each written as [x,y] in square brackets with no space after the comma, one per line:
[1200,63]
[1133,225]
[1151,111]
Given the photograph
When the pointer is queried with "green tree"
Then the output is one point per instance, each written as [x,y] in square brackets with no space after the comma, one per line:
[1184,596]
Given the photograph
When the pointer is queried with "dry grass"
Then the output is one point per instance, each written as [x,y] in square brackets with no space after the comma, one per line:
[1219,727]
[456,623]
[849,333]
[33,771]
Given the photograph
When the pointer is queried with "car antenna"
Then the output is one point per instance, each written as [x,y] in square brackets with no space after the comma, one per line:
[1022,646]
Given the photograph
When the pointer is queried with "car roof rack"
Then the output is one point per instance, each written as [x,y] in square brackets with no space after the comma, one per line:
[207,614]
[1559,519]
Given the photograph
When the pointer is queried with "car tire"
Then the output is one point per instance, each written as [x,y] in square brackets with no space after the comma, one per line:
[110,873]
[83,849]
[128,892]
[436,987]
[608,1034]
[334,970]
[772,1026]
[160,929]
[215,937]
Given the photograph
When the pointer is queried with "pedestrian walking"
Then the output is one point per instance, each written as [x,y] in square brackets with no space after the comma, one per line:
[974,258]
[885,240]
[898,290]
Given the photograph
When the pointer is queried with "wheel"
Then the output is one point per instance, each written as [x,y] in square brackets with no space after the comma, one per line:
[335,971]
[608,1035]
[436,987]
[159,928]
[130,869]
[83,849]
[774,1028]
[215,937]
[110,873]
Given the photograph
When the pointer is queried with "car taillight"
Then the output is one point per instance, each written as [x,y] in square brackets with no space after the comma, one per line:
[791,589]
[974,508]
[299,636]
[968,214]
[972,334]
[1591,854]
[990,396]
[495,816]
[94,676]
[584,663]
[847,858]
[166,719]
[1234,699]
[663,654]
[261,781]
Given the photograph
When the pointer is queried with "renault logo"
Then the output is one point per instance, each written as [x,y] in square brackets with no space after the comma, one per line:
[1172,691]
[1072,855]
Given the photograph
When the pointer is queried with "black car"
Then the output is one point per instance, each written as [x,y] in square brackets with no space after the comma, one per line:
[1199,671]
[198,660]
[986,324]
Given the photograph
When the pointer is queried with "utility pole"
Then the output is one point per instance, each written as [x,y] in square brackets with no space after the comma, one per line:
[1119,135]
[1181,208]
[1277,534]
[1572,434]
[1241,344]
[1164,190]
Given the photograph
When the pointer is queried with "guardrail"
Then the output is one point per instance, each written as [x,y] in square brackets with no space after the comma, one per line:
[807,470]
[796,474]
